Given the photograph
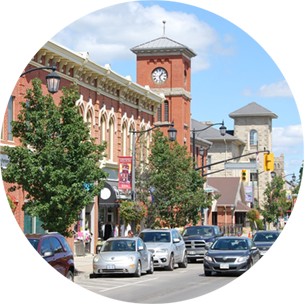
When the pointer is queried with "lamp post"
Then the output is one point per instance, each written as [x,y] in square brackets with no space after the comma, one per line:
[273,175]
[53,79]
[222,131]
[172,137]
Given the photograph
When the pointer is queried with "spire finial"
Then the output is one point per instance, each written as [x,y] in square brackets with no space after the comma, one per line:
[164,33]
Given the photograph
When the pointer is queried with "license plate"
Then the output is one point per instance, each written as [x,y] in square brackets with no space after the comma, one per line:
[110,266]
[224,266]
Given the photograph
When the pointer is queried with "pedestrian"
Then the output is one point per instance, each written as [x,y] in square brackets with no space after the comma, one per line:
[130,233]
[264,222]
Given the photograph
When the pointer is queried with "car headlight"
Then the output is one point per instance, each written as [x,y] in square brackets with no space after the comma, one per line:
[21,269]
[278,247]
[208,258]
[209,244]
[96,258]
[162,250]
[242,259]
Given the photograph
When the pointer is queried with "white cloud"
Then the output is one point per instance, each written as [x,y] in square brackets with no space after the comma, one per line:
[109,33]
[288,88]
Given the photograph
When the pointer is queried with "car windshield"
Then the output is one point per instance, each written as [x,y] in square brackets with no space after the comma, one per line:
[230,244]
[18,247]
[153,236]
[204,231]
[119,245]
[265,237]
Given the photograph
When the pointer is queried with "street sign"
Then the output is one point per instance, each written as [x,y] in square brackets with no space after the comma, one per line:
[241,166]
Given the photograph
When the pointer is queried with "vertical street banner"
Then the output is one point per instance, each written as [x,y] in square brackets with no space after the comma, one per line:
[248,194]
[125,173]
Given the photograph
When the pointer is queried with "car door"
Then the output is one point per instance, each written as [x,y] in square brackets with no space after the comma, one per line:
[59,255]
[143,253]
[177,246]
[48,263]
[254,252]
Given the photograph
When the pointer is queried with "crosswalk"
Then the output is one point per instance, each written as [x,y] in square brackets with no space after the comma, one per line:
[104,284]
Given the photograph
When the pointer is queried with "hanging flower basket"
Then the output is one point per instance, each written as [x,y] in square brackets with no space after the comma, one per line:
[132,211]
[8,205]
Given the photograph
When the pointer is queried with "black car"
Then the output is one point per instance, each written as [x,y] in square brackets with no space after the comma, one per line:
[231,254]
[198,239]
[272,245]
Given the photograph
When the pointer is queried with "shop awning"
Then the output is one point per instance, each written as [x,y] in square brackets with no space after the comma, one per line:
[242,207]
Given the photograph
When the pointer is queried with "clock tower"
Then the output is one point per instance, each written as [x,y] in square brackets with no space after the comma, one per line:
[165,66]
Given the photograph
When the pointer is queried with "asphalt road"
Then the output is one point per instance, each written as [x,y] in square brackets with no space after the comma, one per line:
[277,283]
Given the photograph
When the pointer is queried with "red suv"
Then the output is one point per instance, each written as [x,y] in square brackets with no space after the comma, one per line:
[30,263]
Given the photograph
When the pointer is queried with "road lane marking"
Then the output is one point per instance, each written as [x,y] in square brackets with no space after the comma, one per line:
[237,286]
[272,291]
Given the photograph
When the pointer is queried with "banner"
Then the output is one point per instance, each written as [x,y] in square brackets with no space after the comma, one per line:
[125,172]
[248,194]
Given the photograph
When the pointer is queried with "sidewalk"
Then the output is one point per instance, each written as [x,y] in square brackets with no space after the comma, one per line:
[83,266]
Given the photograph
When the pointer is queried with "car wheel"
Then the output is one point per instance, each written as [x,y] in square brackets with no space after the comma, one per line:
[34,295]
[184,263]
[258,270]
[151,270]
[207,273]
[138,270]
[68,287]
[171,263]
[250,270]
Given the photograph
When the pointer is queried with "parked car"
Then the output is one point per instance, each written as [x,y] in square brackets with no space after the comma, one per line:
[231,254]
[30,263]
[198,239]
[167,247]
[128,255]
[272,245]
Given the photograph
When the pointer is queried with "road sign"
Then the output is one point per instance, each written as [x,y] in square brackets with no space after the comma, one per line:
[241,166]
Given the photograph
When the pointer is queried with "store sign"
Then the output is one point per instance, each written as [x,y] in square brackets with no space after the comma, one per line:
[125,172]
[4,160]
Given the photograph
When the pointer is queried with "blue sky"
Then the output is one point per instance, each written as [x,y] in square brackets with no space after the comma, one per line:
[247,51]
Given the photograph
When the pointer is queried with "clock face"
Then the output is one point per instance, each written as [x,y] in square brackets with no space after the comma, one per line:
[159,75]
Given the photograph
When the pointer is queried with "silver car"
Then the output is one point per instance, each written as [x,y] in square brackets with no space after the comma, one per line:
[127,255]
[167,247]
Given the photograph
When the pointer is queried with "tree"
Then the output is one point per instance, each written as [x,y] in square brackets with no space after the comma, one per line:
[178,194]
[275,200]
[56,163]
[297,189]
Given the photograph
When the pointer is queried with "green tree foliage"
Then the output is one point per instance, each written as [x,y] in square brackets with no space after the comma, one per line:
[275,201]
[56,161]
[178,194]
[297,189]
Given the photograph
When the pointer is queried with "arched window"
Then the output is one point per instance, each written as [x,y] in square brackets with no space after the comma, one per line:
[159,113]
[10,118]
[124,140]
[111,139]
[253,138]
[89,120]
[166,110]
[102,129]
[131,138]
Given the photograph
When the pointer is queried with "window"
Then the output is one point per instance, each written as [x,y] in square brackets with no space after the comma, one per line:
[166,110]
[102,129]
[131,139]
[1,114]
[45,247]
[159,113]
[111,139]
[253,138]
[10,117]
[56,245]
[209,161]
[124,140]
[89,119]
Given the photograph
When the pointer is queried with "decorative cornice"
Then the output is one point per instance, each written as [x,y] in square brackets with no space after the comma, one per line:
[174,92]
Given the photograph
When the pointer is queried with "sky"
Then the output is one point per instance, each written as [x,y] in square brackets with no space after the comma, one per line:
[230,70]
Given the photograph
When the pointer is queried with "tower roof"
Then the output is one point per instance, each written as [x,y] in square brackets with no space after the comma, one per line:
[162,45]
[252,109]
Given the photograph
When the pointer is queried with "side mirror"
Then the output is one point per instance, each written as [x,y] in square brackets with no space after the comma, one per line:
[254,248]
[47,254]
[176,240]
[140,248]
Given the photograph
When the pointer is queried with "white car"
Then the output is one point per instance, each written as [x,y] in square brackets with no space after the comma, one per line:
[128,255]
[167,246]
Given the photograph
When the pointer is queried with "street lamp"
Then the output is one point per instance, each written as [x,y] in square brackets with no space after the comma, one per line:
[172,137]
[273,175]
[222,131]
[53,79]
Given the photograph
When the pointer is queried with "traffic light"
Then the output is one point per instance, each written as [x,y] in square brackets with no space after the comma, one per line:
[268,162]
[244,176]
